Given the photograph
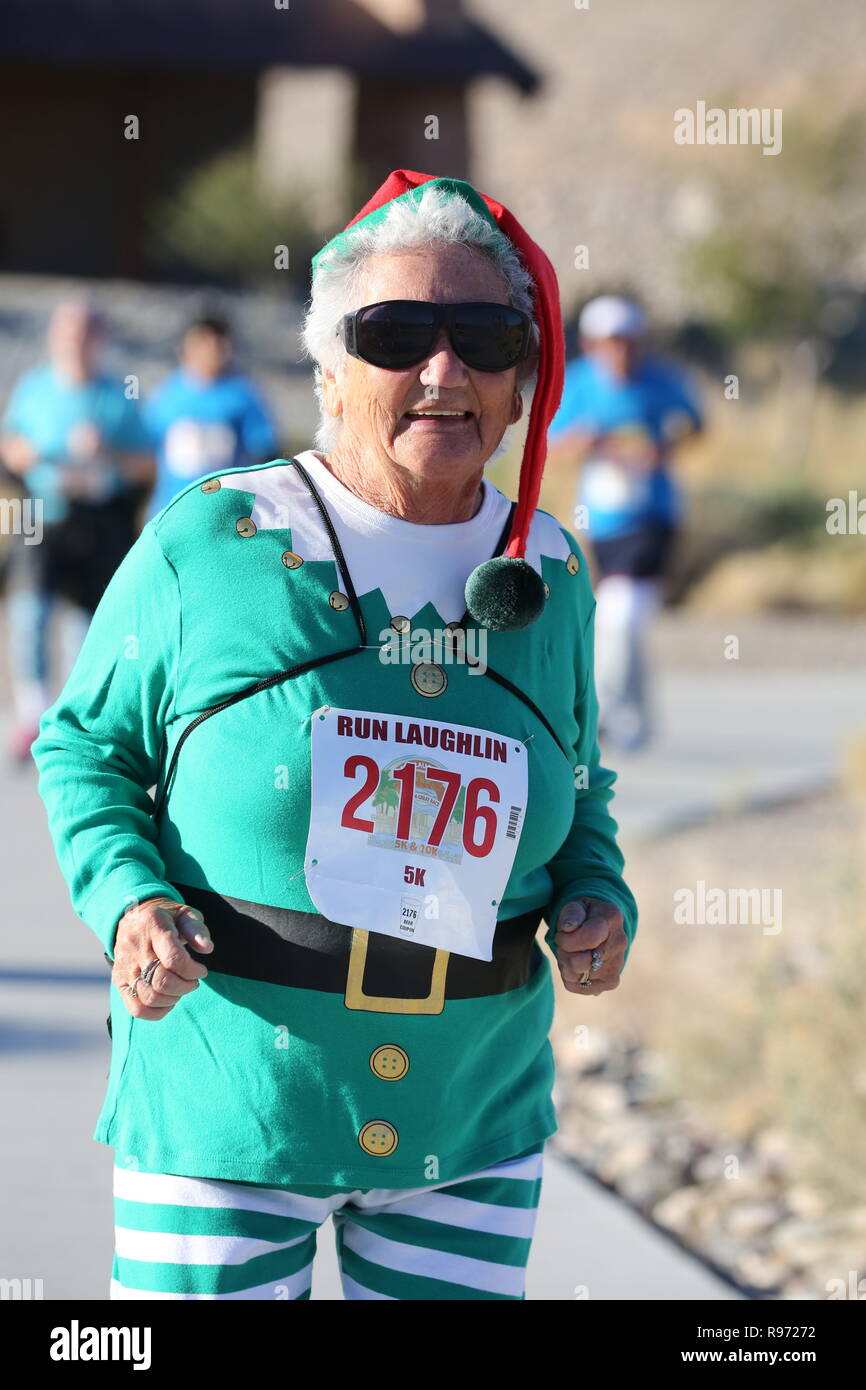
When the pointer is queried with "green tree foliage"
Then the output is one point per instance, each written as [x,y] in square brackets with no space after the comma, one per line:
[788,231]
[220,222]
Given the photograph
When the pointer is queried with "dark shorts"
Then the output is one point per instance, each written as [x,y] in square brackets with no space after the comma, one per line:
[77,556]
[641,554]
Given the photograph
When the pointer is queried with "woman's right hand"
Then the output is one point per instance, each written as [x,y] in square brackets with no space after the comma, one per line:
[157,929]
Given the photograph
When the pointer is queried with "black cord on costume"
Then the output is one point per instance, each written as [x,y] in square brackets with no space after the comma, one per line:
[338,552]
[299,670]
[507,684]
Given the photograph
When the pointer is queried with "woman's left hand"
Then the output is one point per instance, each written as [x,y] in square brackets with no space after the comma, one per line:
[583,925]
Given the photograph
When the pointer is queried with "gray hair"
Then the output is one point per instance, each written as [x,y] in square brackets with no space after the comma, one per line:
[338,289]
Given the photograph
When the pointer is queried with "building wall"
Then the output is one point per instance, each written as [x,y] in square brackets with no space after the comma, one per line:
[73,191]
[304,136]
[394,122]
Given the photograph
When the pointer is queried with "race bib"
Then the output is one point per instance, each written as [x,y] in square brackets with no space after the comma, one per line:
[609,486]
[192,447]
[414,825]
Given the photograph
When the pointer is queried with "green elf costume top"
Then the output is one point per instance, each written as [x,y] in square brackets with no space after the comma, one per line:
[373,843]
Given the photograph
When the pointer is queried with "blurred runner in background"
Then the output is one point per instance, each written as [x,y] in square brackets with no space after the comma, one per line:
[79,448]
[622,411]
[206,415]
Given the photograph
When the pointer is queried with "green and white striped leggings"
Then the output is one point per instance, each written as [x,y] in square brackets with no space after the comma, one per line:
[181,1237]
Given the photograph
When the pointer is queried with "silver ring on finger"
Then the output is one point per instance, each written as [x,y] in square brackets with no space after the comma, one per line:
[585,980]
[148,973]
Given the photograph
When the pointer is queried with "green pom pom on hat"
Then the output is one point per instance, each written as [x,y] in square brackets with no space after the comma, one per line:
[505,593]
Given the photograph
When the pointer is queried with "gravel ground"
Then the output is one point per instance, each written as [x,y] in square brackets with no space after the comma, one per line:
[728,1053]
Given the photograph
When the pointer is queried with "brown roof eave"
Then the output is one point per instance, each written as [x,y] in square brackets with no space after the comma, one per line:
[237,36]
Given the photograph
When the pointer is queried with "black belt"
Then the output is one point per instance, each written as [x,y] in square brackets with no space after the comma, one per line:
[377,973]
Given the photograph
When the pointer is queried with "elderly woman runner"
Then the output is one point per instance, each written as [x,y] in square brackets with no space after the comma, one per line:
[317,850]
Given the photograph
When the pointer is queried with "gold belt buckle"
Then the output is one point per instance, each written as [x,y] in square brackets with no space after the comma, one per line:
[433,1003]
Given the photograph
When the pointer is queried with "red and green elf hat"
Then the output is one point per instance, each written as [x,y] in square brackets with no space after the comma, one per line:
[506,592]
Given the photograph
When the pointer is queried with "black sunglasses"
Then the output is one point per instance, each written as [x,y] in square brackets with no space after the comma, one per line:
[399,333]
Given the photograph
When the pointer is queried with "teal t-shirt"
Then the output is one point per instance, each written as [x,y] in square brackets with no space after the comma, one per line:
[46,410]
[314,1052]
[201,426]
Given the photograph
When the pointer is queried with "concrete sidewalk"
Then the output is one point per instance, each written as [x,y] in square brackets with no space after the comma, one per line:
[730,740]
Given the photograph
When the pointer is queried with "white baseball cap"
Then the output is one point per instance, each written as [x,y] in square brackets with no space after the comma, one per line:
[609,316]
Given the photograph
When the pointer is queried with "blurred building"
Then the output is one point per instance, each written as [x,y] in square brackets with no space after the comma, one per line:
[318,84]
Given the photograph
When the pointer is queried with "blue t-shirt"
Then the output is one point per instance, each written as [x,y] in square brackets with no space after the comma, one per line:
[619,499]
[48,411]
[200,426]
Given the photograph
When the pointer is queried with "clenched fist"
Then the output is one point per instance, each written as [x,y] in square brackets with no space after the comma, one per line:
[157,930]
[583,925]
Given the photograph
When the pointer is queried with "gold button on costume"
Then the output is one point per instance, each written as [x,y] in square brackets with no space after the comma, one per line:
[390,1062]
[246,526]
[212,485]
[572,564]
[291,560]
[338,600]
[400,624]
[428,678]
[378,1137]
